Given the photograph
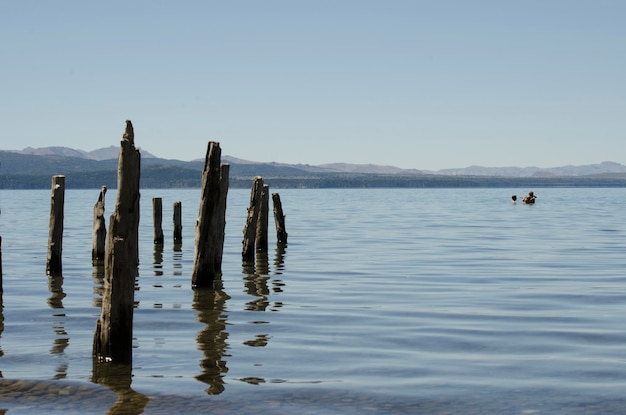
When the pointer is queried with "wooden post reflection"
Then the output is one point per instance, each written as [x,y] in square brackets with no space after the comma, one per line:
[255,282]
[279,266]
[212,339]
[1,325]
[158,260]
[118,378]
[97,274]
[61,340]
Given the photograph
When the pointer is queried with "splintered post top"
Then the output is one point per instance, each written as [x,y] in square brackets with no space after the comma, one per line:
[129,134]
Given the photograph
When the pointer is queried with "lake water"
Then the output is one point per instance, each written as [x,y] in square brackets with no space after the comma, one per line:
[385,301]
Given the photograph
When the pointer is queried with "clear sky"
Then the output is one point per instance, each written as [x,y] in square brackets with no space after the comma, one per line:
[415,84]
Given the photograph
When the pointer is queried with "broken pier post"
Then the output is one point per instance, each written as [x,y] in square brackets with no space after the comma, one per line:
[55,236]
[279,219]
[114,329]
[178,222]
[249,230]
[157,220]
[99,236]
[209,241]
[262,220]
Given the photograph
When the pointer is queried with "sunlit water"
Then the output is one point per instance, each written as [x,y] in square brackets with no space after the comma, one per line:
[384,301]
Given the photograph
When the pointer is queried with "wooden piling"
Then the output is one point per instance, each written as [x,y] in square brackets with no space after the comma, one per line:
[114,329]
[209,238]
[1,289]
[55,236]
[221,207]
[157,220]
[178,222]
[249,230]
[262,220]
[279,219]
[99,235]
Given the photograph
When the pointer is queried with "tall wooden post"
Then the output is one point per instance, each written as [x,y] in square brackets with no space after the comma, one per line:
[157,219]
[209,243]
[279,219]
[99,236]
[249,230]
[55,236]
[178,222]
[262,221]
[114,330]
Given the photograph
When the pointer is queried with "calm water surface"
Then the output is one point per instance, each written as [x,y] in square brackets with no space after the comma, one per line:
[384,301]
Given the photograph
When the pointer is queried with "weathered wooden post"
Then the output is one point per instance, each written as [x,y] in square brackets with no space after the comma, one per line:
[114,330]
[55,236]
[99,237]
[157,219]
[178,222]
[209,243]
[262,221]
[279,219]
[1,289]
[249,230]
[221,217]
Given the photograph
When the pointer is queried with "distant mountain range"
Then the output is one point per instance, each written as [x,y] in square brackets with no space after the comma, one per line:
[33,167]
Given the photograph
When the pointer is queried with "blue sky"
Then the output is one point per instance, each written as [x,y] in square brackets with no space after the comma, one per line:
[415,84]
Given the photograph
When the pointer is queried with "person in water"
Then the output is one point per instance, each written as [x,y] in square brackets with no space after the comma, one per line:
[529,199]
[514,199]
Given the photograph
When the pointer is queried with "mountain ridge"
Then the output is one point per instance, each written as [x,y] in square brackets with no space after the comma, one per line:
[111,153]
[31,169]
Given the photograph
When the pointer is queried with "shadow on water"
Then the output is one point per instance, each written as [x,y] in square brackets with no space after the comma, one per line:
[61,340]
[212,340]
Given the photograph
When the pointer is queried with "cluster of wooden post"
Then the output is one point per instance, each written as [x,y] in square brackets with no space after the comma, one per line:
[256,228]
[157,221]
[119,247]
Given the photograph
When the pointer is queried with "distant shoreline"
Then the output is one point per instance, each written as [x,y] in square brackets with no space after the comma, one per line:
[155,178]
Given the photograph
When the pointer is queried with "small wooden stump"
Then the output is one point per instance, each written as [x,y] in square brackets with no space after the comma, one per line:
[249,230]
[99,237]
[55,236]
[157,220]
[262,220]
[279,219]
[1,289]
[178,222]
[209,243]
[114,329]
